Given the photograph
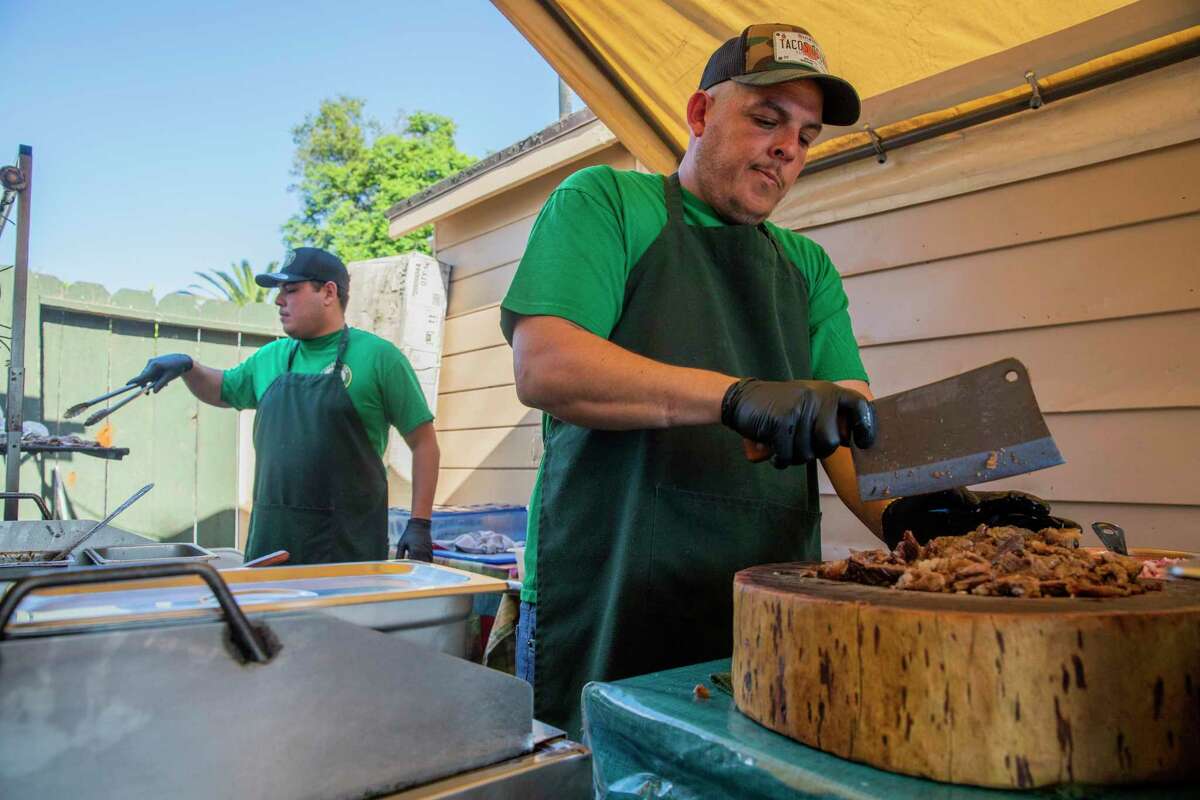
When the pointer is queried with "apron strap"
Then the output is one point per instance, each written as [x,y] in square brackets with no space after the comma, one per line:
[292,356]
[673,195]
[765,231]
[341,351]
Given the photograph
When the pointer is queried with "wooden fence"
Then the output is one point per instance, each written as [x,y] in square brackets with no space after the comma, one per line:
[80,342]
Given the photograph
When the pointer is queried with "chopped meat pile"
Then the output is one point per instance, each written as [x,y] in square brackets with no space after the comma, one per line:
[1001,561]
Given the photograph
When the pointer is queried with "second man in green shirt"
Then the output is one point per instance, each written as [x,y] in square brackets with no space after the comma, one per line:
[325,399]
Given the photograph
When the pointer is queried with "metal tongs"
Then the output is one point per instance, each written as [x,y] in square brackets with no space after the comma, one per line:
[133,499]
[79,408]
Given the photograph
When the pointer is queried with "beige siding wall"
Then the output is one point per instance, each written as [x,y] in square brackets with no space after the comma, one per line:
[1088,271]
[490,443]
[1067,237]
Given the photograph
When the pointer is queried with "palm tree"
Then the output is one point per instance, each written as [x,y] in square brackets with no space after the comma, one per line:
[238,288]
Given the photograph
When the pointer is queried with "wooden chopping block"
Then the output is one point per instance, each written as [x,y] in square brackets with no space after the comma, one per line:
[991,691]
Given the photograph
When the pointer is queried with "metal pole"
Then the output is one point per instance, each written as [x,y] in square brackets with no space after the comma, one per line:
[1058,90]
[16,366]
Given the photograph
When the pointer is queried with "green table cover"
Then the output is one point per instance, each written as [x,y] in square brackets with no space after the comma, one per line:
[652,738]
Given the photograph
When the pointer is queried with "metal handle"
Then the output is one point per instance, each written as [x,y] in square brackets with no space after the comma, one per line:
[37,498]
[269,560]
[66,551]
[756,451]
[245,638]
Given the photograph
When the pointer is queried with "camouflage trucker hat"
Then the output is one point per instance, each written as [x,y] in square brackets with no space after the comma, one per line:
[774,53]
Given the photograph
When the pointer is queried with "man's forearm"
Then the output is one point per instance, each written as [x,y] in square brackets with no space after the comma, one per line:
[205,383]
[840,469]
[426,458]
[581,378]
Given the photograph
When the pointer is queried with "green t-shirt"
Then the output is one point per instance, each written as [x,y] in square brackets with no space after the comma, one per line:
[381,383]
[589,235]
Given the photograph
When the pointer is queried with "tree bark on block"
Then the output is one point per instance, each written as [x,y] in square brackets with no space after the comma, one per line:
[989,691]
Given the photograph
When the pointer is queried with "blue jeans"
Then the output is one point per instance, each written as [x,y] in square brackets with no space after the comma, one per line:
[526,643]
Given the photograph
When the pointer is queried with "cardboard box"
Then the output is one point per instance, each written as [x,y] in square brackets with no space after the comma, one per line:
[403,299]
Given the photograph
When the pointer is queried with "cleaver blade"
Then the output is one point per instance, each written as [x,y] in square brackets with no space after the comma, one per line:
[979,426]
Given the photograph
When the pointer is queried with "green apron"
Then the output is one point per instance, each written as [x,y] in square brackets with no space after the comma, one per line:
[320,491]
[640,532]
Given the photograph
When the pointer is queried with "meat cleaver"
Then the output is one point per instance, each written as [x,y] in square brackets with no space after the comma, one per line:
[979,426]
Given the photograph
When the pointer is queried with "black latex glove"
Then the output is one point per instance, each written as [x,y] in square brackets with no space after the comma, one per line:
[957,511]
[799,420]
[416,542]
[162,370]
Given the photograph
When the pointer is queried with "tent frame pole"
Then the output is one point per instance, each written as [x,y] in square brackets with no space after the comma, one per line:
[1104,71]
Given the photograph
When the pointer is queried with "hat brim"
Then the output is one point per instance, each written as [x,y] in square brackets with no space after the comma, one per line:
[269,280]
[842,106]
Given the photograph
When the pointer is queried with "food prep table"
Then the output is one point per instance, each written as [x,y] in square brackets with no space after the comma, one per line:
[651,736]
[130,689]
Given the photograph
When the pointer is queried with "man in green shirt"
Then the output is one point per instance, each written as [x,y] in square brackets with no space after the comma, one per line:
[648,310]
[649,316]
[325,399]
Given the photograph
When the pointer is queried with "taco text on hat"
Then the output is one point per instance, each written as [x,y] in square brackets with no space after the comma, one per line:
[774,53]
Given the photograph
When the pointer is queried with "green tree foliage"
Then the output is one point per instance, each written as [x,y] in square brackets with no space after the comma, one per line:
[350,171]
[238,287]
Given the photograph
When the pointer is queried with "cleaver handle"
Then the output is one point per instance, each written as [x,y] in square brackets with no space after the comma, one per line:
[756,451]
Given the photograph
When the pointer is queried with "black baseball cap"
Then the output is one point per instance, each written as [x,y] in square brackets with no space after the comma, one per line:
[774,53]
[307,264]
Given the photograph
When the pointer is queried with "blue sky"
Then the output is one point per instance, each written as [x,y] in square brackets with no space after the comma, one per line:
[161,130]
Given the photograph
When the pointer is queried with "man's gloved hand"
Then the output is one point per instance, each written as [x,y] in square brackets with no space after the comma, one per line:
[162,370]
[799,420]
[957,511]
[416,542]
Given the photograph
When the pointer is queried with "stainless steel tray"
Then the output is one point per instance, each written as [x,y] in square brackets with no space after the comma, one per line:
[131,554]
[426,604]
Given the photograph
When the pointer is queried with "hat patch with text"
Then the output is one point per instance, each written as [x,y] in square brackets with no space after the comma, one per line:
[771,53]
[794,47]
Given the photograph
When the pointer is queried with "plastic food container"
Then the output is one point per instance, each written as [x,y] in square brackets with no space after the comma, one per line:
[450,521]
